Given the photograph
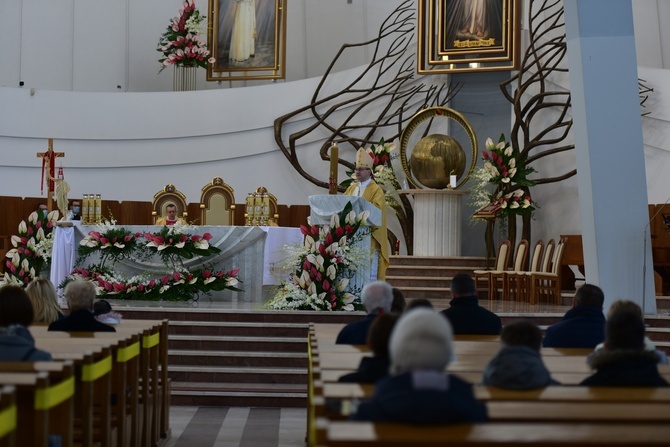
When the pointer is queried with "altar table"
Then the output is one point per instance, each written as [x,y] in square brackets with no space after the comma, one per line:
[255,251]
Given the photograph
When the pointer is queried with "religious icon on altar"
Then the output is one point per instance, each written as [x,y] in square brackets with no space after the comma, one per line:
[468,35]
[247,38]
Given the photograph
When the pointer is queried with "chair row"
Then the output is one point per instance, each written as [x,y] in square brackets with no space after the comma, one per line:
[540,281]
[107,389]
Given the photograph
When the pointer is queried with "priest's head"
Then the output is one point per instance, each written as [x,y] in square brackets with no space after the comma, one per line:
[364,163]
[171,211]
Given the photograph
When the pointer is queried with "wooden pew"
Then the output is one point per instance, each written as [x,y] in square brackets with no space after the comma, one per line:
[8,423]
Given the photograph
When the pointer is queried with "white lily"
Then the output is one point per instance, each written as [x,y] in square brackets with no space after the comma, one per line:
[509,151]
[348,307]
[40,234]
[351,217]
[518,193]
[489,143]
[311,258]
[311,289]
[16,240]
[230,282]
[514,205]
[342,284]
[202,244]
[343,241]
[10,253]
[319,263]
[526,203]
[512,172]
[363,217]
[16,259]
[331,272]
[32,272]
[500,145]
[25,264]
[180,244]
[304,279]
[32,218]
[505,180]
[334,221]
[119,245]
[512,163]
[31,243]
[193,280]
[23,228]
[53,216]
[309,241]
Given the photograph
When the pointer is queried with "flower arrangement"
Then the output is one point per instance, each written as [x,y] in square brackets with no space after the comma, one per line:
[324,264]
[113,243]
[507,172]
[175,286]
[171,244]
[32,249]
[181,43]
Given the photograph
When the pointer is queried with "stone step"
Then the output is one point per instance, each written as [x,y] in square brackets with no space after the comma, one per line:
[468,262]
[238,359]
[426,271]
[228,374]
[430,293]
[231,328]
[239,394]
[419,282]
[663,302]
[235,343]
[660,321]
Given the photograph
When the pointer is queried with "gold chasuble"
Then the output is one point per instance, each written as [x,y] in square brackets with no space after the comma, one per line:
[374,194]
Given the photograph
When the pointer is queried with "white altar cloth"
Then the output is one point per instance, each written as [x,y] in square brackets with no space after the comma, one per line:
[253,250]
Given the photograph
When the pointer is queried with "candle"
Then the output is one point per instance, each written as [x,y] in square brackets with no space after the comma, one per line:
[334,157]
[452,181]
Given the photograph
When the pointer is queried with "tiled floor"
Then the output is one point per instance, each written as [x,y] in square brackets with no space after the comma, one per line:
[234,426]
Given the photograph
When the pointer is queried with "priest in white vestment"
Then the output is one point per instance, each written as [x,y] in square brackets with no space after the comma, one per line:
[243,38]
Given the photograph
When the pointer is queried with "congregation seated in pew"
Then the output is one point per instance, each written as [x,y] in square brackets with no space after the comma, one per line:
[518,365]
[372,369]
[418,390]
[16,314]
[377,298]
[44,299]
[103,312]
[464,312]
[80,296]
[623,360]
[582,326]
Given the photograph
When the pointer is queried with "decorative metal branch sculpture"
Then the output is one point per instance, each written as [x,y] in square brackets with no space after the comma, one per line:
[386,87]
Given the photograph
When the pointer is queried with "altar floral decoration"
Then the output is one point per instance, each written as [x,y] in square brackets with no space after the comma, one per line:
[323,265]
[181,43]
[171,244]
[507,173]
[31,252]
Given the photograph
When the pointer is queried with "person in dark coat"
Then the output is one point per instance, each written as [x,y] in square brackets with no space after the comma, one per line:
[419,391]
[623,360]
[372,369]
[583,326]
[518,365]
[16,314]
[80,296]
[465,314]
[377,298]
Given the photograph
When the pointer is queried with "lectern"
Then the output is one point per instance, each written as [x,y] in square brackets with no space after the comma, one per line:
[323,207]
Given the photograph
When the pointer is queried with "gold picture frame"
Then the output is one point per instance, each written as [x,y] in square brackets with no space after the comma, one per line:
[247,38]
[468,35]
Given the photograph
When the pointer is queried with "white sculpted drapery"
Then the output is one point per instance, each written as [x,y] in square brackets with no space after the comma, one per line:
[243,38]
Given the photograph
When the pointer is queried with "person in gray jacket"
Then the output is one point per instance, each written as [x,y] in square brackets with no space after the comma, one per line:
[16,314]
[518,365]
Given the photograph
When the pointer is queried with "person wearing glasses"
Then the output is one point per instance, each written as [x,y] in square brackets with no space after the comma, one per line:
[366,187]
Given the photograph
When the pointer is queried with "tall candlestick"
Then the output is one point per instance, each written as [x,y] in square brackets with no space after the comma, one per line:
[334,157]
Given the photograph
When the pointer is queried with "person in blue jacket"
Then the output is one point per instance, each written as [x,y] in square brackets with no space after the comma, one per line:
[16,314]
[419,391]
[583,326]
[377,298]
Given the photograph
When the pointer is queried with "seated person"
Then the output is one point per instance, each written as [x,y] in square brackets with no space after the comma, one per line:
[418,390]
[377,298]
[42,211]
[583,326]
[16,314]
[648,344]
[102,311]
[465,314]
[372,369]
[419,302]
[75,211]
[518,365]
[80,296]
[171,217]
[399,302]
[44,299]
[623,360]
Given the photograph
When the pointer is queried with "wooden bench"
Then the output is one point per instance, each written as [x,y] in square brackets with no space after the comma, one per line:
[8,422]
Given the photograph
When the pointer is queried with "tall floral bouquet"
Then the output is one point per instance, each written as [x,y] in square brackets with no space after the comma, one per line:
[172,244]
[324,264]
[507,172]
[32,249]
[114,243]
[181,43]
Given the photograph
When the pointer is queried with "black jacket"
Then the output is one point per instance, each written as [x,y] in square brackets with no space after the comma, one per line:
[370,370]
[621,367]
[581,327]
[80,321]
[467,317]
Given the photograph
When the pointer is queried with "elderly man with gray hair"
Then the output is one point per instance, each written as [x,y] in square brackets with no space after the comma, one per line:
[377,298]
[419,391]
[80,296]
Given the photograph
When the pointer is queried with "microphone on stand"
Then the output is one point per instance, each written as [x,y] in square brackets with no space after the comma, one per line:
[644,263]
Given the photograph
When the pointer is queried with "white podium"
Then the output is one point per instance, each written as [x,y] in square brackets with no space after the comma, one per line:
[437,221]
[322,209]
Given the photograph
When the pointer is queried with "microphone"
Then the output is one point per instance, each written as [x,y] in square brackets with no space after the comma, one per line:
[644,263]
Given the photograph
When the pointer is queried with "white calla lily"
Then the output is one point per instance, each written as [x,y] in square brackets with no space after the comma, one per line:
[331,272]
[16,240]
[23,228]
[489,143]
[32,218]
[40,234]
[335,220]
[509,151]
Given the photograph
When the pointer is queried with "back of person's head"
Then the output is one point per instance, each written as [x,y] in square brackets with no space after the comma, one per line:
[44,299]
[399,302]
[101,307]
[419,302]
[590,295]
[624,330]
[421,339]
[463,285]
[380,334]
[377,296]
[15,307]
[522,333]
[625,306]
[80,295]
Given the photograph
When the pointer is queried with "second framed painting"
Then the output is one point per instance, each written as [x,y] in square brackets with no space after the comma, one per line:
[247,38]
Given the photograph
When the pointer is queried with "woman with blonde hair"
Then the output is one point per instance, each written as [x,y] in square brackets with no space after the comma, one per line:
[44,299]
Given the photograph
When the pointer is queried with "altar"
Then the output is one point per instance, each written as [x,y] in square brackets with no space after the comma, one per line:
[255,251]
